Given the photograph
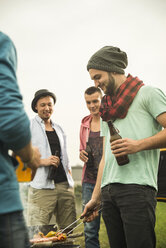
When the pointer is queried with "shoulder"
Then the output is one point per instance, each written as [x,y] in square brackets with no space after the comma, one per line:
[151,93]
[36,119]
[57,127]
[148,89]
[152,99]
[86,120]
[8,50]
[36,123]
[5,41]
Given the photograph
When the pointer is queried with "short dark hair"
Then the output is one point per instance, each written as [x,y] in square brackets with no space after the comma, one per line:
[91,90]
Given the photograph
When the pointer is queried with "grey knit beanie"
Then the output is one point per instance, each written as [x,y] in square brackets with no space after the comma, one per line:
[110,59]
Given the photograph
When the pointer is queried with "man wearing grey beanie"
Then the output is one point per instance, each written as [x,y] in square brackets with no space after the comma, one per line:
[128,192]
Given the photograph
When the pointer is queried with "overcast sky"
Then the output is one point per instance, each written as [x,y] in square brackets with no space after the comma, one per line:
[56,38]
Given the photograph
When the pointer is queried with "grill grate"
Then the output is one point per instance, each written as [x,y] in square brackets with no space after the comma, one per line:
[69,243]
[55,245]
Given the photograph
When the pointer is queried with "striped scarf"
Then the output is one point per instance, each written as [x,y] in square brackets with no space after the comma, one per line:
[117,106]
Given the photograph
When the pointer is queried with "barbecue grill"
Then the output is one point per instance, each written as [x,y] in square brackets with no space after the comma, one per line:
[68,243]
[54,245]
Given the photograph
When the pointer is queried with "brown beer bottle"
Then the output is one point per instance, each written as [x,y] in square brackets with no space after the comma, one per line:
[114,135]
[52,169]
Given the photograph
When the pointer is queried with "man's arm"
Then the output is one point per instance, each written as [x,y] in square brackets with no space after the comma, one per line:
[129,146]
[29,155]
[95,199]
[14,123]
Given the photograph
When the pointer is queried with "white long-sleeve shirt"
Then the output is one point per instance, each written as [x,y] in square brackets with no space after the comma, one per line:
[40,140]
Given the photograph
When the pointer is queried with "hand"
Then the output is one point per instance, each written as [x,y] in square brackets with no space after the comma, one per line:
[125,146]
[89,209]
[52,160]
[84,156]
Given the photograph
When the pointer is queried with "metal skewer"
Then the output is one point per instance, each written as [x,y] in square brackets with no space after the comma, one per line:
[80,223]
[74,228]
[61,231]
[81,217]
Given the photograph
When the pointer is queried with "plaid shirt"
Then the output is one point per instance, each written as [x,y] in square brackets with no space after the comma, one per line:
[117,106]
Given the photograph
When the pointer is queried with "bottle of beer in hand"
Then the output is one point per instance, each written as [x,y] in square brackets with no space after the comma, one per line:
[90,162]
[52,169]
[122,160]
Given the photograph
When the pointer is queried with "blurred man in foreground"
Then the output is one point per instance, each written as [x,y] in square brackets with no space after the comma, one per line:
[15,136]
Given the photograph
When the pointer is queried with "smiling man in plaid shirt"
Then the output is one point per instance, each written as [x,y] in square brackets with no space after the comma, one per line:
[128,192]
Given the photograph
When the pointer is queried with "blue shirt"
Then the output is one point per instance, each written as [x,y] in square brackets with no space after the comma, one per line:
[14,126]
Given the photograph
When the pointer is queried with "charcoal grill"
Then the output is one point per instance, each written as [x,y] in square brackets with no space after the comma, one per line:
[59,245]
[69,243]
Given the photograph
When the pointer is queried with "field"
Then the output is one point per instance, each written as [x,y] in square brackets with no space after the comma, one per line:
[160,228]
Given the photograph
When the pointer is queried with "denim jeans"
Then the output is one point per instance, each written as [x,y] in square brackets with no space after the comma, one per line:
[13,231]
[91,229]
[129,215]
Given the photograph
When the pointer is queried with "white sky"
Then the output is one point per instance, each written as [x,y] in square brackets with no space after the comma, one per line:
[56,38]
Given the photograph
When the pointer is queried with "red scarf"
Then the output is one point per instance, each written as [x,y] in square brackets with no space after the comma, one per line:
[117,106]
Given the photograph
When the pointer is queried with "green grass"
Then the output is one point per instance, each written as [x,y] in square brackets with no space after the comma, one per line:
[161,224]
[102,236]
[160,229]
